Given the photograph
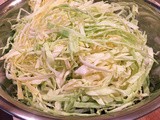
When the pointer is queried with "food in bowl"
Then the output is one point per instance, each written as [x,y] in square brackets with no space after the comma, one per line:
[80,58]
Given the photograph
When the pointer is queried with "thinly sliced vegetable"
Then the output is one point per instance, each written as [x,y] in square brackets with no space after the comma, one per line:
[79,57]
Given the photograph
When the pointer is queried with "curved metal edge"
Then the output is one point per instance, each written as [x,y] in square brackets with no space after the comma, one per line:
[22,114]
[13,108]
[26,115]
[17,112]
[10,4]
[142,111]
[154,3]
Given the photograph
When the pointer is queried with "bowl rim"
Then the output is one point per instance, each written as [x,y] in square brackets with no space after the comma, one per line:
[14,110]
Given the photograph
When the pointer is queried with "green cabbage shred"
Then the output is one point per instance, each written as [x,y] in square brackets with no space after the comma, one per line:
[79,57]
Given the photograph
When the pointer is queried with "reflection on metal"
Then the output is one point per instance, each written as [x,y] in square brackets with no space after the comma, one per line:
[15,2]
[154,3]
[8,5]
[149,104]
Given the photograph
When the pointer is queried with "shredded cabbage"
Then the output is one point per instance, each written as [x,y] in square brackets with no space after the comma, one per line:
[79,57]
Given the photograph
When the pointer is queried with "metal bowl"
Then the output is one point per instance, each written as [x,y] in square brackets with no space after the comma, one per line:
[149,21]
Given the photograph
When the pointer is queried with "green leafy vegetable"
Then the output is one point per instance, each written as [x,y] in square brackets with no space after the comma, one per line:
[79,57]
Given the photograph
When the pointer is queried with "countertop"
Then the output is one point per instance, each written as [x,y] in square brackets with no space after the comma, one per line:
[155,115]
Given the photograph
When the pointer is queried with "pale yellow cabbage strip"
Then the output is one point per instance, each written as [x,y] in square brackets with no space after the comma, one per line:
[77,57]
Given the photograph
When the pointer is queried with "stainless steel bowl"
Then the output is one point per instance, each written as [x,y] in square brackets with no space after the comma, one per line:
[149,21]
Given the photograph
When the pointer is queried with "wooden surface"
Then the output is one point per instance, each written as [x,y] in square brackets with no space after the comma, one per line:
[155,115]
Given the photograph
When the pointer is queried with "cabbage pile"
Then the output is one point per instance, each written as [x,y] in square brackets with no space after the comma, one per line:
[79,57]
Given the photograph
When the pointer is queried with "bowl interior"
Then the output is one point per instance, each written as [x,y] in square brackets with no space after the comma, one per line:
[149,21]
